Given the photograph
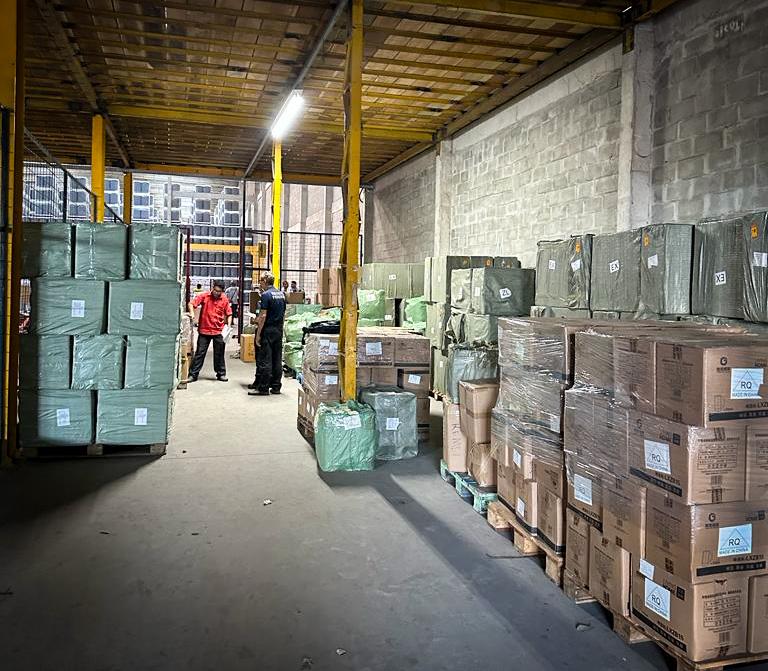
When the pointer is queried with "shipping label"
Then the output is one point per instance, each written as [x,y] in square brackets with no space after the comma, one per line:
[734,540]
[504,293]
[552,265]
[331,379]
[62,416]
[657,599]
[333,348]
[352,422]
[657,456]
[582,489]
[393,276]
[137,311]
[517,458]
[576,265]
[746,382]
[520,507]
[554,423]
[478,291]
[78,309]
[614,266]
[760,259]
[646,569]
[373,348]
[387,317]
[140,416]
[653,261]
[414,379]
[720,278]
[393,423]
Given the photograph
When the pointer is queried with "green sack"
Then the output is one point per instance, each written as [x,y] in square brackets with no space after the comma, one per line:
[371,304]
[301,308]
[97,362]
[55,418]
[469,364]
[132,417]
[47,249]
[395,422]
[155,252]
[101,251]
[293,355]
[345,436]
[44,362]
[331,314]
[293,328]
[151,362]
[144,307]
[416,310]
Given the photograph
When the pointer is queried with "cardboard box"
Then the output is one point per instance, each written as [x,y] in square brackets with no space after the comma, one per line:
[526,503]
[704,621]
[477,399]
[505,483]
[295,297]
[329,300]
[482,466]
[695,464]
[609,569]
[624,513]
[551,519]
[454,441]
[549,471]
[585,491]
[411,351]
[374,349]
[757,634]
[712,383]
[757,463]
[577,547]
[705,542]
[417,381]
[522,460]
[423,411]
[329,280]
[382,377]
[324,386]
[634,376]
[248,348]
[439,371]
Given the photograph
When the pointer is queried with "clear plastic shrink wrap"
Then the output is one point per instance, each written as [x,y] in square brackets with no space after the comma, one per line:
[395,410]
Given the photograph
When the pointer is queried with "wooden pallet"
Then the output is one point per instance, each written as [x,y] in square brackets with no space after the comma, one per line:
[574,590]
[94,450]
[503,519]
[306,429]
[186,362]
[468,489]
[438,396]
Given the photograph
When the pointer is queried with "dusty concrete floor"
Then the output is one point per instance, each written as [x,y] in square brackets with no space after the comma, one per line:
[175,563]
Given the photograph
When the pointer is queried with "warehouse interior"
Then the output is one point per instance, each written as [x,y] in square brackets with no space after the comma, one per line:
[423,147]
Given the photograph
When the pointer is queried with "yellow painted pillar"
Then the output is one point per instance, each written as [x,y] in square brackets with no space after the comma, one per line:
[12,102]
[350,251]
[98,165]
[277,195]
[128,197]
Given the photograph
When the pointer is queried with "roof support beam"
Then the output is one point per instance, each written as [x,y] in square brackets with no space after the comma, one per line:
[61,40]
[235,173]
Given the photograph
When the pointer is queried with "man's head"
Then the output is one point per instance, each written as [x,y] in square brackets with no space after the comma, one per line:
[285,284]
[199,286]
[267,280]
[294,285]
[217,289]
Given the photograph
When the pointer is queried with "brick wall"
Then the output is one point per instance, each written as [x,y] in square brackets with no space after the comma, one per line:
[710,120]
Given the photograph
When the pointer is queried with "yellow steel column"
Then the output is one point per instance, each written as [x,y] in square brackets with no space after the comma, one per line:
[128,197]
[350,179]
[12,100]
[277,195]
[98,165]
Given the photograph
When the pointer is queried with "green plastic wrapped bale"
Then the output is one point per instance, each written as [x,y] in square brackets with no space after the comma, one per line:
[55,417]
[454,329]
[395,422]
[370,322]
[754,230]
[47,249]
[144,307]
[45,362]
[718,269]
[461,289]
[469,364]
[293,355]
[437,321]
[292,309]
[563,272]
[416,280]
[616,271]
[155,252]
[416,309]
[481,329]
[345,436]
[97,362]
[442,268]
[504,292]
[151,362]
[371,303]
[418,327]
[101,251]
[67,307]
[665,270]
[132,417]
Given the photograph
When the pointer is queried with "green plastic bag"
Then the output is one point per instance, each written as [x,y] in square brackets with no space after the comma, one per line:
[371,303]
[345,436]
[331,314]
[293,327]
[416,310]
[293,355]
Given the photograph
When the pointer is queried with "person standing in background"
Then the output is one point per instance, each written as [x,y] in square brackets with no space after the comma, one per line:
[215,314]
[233,294]
[269,339]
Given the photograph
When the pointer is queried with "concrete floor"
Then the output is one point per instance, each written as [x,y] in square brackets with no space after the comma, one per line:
[176,563]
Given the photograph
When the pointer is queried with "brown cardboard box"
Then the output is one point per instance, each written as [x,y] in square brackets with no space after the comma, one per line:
[302,409]
[703,621]
[757,635]
[522,461]
[374,348]
[482,467]
[705,542]
[321,352]
[609,569]
[247,348]
[423,411]
[329,280]
[593,365]
[624,513]
[416,381]
[550,519]
[381,377]
[715,383]
[695,464]
[412,351]
[757,463]
[454,441]
[585,491]
[295,297]
[329,300]
[526,503]
[505,483]
[634,372]
[323,385]
[549,472]
[577,547]
[477,400]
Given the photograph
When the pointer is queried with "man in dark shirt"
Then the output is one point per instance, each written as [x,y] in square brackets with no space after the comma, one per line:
[215,314]
[269,339]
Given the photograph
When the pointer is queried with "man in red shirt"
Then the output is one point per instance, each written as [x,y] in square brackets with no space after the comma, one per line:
[215,313]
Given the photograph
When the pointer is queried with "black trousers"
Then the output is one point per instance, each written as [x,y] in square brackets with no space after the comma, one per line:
[269,359]
[219,364]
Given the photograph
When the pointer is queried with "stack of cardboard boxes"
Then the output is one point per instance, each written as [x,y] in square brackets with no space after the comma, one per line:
[330,287]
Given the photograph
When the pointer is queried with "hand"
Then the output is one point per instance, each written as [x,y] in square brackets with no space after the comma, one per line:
[257,342]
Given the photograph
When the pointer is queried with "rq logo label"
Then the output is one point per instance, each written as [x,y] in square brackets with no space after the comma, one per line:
[734,540]
[657,456]
[746,382]
[657,599]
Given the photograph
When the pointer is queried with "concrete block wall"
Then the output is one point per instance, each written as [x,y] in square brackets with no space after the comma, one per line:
[710,119]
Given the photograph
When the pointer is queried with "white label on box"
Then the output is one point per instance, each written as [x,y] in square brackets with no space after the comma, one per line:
[554,424]
[137,310]
[333,348]
[653,261]
[576,265]
[517,458]
[646,568]
[442,364]
[478,291]
[657,456]
[393,276]
[78,309]
[352,422]
[324,344]
[331,379]
[387,317]
[720,278]
[760,259]
[582,489]
[614,266]
[657,599]
[734,540]
[373,348]
[392,423]
[504,293]
[520,507]
[746,382]
[552,264]
[139,416]
[414,379]
[62,416]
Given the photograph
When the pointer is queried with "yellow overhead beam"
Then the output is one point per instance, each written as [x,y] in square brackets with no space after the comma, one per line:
[257,175]
[98,165]
[277,194]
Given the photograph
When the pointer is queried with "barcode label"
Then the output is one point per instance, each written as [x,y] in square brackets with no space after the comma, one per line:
[352,422]
[62,417]
[552,264]
[582,489]
[140,416]
[760,259]
[137,311]
[393,423]
[520,507]
[78,309]
[331,379]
